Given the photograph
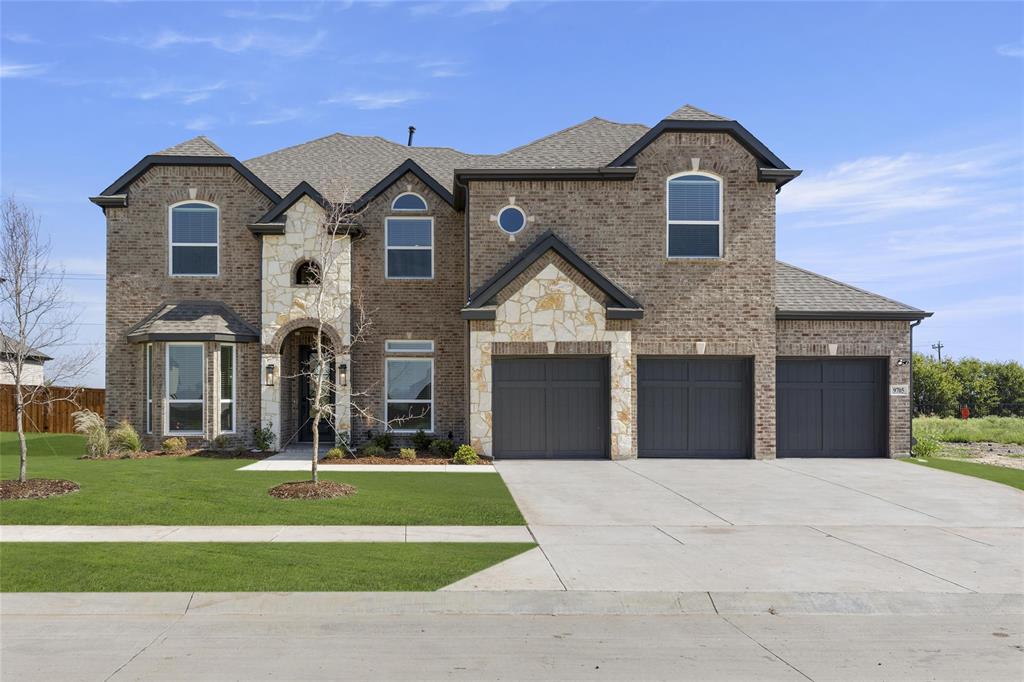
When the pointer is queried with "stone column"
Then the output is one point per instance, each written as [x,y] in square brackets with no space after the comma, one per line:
[480,436]
[270,396]
[622,396]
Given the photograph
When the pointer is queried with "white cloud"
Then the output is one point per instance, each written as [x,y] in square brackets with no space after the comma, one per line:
[426,9]
[875,188]
[982,307]
[1011,50]
[21,38]
[282,116]
[272,43]
[200,123]
[440,68]
[9,70]
[376,100]
[299,14]
[186,94]
[489,6]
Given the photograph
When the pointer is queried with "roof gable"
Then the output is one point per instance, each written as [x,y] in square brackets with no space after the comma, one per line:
[407,166]
[200,145]
[120,186]
[479,305]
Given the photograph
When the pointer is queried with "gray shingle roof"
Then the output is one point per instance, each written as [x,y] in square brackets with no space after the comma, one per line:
[9,346]
[801,291]
[199,145]
[193,320]
[688,112]
[590,144]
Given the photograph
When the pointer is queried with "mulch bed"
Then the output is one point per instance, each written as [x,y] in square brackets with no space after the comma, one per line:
[212,454]
[392,459]
[307,490]
[36,488]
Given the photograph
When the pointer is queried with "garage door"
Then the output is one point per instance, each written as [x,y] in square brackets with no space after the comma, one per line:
[832,407]
[694,407]
[550,407]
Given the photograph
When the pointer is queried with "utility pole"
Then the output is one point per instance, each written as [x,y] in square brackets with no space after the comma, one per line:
[938,348]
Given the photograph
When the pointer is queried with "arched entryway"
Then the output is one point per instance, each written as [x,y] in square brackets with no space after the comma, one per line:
[302,358]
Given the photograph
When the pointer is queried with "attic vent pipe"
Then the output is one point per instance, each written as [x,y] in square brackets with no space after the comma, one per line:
[412,131]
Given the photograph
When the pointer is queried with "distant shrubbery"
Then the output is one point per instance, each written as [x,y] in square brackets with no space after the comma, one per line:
[987,388]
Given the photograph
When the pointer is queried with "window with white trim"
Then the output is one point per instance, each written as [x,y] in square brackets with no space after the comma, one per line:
[184,412]
[149,388]
[694,207]
[409,389]
[227,388]
[194,234]
[409,201]
[409,248]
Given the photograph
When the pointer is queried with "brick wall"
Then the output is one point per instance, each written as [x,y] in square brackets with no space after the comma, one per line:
[138,281]
[619,227]
[859,338]
[413,309]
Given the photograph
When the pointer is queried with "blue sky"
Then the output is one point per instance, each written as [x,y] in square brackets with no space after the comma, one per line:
[907,118]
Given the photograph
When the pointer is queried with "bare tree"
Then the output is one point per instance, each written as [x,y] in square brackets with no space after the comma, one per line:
[36,319]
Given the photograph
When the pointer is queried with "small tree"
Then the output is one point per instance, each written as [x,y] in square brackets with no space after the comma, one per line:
[36,319]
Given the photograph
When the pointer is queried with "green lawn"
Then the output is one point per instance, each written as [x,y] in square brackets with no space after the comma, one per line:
[983,430]
[202,491]
[242,567]
[1006,475]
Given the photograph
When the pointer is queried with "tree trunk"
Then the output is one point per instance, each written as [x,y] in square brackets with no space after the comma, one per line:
[316,446]
[20,411]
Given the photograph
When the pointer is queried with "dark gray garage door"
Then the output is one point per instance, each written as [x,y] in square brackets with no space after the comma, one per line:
[694,407]
[832,407]
[550,407]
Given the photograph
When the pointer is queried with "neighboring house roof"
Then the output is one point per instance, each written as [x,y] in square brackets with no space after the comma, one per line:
[801,294]
[193,320]
[200,145]
[481,302]
[9,347]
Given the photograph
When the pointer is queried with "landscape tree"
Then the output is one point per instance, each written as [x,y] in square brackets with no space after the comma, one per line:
[36,318]
[936,388]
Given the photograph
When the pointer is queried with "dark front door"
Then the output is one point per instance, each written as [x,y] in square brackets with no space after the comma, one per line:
[310,365]
[830,407]
[694,407]
[550,407]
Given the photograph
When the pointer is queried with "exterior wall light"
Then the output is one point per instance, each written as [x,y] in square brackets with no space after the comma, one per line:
[270,375]
[900,362]
[343,374]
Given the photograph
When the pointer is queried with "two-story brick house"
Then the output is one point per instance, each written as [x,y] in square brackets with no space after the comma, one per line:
[607,291]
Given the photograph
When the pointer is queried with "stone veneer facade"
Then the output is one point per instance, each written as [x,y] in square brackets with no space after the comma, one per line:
[290,308]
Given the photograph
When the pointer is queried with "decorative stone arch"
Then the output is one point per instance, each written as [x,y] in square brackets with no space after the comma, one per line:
[277,343]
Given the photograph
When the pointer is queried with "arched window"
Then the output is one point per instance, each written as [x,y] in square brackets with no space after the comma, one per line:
[409,201]
[307,273]
[194,235]
[694,207]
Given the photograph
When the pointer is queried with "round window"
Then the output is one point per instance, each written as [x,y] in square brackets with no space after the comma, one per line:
[511,219]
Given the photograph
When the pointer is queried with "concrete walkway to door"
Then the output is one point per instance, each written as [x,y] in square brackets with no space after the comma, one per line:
[761,526]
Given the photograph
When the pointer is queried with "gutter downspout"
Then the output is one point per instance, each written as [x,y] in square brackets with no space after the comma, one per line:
[465,276]
[912,325]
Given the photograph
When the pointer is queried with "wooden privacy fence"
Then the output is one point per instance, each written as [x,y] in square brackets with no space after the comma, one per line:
[53,416]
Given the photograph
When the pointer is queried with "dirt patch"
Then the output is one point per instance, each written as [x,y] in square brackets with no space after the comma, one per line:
[998,454]
[36,488]
[307,490]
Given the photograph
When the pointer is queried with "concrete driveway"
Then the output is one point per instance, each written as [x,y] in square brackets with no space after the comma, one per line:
[774,526]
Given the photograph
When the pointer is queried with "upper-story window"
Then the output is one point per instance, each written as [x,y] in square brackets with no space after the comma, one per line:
[307,273]
[694,202]
[409,201]
[409,248]
[195,228]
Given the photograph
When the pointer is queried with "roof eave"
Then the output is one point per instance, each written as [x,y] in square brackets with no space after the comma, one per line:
[192,336]
[851,315]
[407,166]
[733,128]
[110,201]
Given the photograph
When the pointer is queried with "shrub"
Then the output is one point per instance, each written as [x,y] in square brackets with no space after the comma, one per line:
[221,442]
[175,445]
[441,448]
[465,455]
[383,441]
[263,436]
[925,447]
[92,427]
[124,438]
[371,450]
[335,453]
[421,440]
[407,453]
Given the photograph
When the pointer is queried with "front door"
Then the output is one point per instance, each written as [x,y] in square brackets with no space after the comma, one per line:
[307,388]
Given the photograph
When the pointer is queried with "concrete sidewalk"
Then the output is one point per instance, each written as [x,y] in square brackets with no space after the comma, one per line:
[478,637]
[265,534]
